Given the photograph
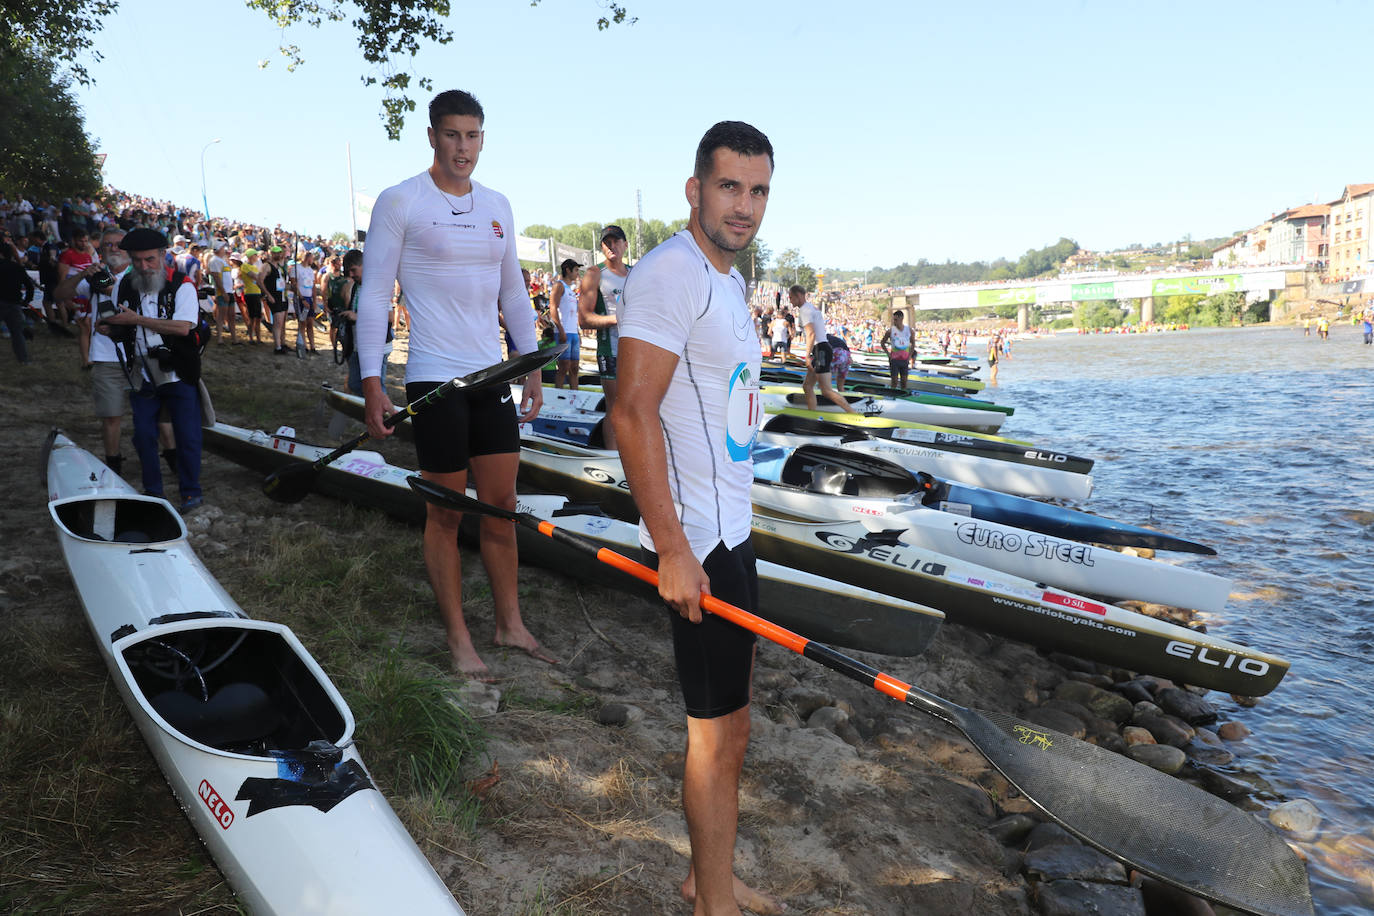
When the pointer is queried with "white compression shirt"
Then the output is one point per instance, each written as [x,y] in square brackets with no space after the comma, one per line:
[455,270]
[811,314]
[675,299]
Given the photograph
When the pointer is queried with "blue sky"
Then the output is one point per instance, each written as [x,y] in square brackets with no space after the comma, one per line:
[902,130]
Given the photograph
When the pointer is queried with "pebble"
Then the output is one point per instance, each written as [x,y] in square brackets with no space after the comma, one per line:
[1097,680]
[1164,900]
[1220,784]
[1167,730]
[1232,731]
[1073,662]
[1143,709]
[1100,702]
[1299,817]
[601,679]
[1161,757]
[1011,829]
[1081,898]
[1076,862]
[479,699]
[1206,736]
[1077,710]
[1246,702]
[831,717]
[1208,755]
[1188,706]
[805,700]
[784,716]
[1134,735]
[1049,833]
[1135,691]
[1058,720]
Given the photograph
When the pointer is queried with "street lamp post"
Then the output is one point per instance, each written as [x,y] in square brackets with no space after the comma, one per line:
[205,201]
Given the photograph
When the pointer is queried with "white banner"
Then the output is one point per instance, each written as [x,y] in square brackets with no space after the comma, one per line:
[362,210]
[528,249]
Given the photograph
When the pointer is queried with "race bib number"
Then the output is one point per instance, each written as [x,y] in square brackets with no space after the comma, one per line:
[742,412]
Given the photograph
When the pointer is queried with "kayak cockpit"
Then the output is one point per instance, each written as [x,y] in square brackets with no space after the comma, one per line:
[242,687]
[120,520]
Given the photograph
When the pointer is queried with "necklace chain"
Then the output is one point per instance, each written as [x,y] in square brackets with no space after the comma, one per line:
[472,200]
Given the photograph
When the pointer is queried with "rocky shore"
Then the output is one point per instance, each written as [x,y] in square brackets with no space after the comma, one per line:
[851,804]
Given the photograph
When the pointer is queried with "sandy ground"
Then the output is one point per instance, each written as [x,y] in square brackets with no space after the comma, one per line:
[585,817]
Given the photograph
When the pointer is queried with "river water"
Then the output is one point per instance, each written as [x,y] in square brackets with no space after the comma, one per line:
[1258,442]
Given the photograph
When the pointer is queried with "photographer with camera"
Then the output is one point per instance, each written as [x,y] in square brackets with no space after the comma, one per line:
[160,306]
[107,352]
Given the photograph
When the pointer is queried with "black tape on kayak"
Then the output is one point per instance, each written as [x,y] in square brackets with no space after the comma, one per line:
[265,794]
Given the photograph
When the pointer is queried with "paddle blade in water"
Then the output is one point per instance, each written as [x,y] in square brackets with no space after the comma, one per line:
[1162,826]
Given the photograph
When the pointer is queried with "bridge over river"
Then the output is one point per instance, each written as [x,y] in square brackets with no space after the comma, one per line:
[1256,282]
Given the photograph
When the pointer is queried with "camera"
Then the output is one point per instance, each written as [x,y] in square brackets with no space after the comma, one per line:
[101,280]
[119,333]
[163,355]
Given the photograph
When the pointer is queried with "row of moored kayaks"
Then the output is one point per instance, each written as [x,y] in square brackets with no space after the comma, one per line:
[872,528]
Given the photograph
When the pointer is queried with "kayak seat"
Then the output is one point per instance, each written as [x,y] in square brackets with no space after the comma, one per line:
[236,714]
[826,478]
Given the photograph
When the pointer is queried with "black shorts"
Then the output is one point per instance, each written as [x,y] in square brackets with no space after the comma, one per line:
[254,303]
[715,658]
[821,358]
[462,425]
[605,364]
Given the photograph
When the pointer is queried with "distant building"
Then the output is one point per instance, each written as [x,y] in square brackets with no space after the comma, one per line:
[1299,235]
[1352,215]
[1249,249]
[1082,260]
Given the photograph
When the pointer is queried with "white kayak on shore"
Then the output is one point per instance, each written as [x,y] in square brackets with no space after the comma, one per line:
[251,735]
[1070,565]
[926,451]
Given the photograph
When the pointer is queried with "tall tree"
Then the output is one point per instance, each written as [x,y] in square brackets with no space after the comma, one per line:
[390,32]
[43,143]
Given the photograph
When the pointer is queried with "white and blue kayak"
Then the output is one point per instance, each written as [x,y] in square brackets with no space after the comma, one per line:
[251,735]
[821,484]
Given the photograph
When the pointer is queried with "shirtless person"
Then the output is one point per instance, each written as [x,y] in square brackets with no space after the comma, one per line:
[819,356]
[451,243]
[598,307]
[686,418]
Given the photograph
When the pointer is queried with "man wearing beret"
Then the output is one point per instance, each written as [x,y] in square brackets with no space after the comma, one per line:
[157,313]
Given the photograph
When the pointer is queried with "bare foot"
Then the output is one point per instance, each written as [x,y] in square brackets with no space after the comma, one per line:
[523,640]
[747,898]
[470,664]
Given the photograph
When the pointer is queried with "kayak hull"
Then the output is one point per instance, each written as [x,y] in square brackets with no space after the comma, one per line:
[1065,564]
[1018,608]
[254,740]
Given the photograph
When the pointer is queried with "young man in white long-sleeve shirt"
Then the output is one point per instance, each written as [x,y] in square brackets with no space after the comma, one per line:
[451,243]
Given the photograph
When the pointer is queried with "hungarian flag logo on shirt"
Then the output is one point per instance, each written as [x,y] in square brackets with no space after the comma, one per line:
[496,227]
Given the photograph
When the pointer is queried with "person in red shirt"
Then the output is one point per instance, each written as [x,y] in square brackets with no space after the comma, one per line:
[74,260]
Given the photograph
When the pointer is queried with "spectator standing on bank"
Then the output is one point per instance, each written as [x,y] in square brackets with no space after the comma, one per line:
[159,312]
[272,282]
[598,306]
[16,292]
[252,294]
[564,314]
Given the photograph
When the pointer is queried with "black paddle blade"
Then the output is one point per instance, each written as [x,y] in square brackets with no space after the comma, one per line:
[290,484]
[446,498]
[514,368]
[1158,824]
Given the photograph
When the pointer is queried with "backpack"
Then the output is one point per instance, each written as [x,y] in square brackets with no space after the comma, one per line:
[335,301]
[185,350]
